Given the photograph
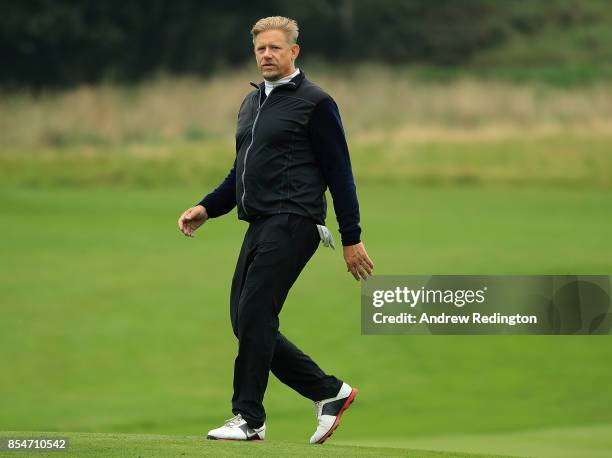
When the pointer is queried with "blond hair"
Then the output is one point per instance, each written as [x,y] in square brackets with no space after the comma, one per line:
[289,26]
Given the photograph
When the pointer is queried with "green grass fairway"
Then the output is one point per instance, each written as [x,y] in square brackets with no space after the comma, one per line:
[586,441]
[146,445]
[113,322]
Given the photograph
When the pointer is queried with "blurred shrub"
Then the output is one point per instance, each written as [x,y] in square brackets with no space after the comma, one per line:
[62,42]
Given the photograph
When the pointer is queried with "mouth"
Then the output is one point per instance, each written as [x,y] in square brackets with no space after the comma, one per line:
[268,66]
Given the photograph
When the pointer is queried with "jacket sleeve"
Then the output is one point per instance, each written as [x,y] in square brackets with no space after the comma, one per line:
[330,147]
[223,199]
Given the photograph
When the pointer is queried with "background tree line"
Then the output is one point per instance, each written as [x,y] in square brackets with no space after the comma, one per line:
[64,42]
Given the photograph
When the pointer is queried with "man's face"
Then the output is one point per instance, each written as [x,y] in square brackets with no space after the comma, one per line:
[274,55]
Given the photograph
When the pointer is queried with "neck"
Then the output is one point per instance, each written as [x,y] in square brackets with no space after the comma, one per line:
[289,72]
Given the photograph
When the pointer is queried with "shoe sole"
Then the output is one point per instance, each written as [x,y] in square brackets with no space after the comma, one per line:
[346,405]
[253,439]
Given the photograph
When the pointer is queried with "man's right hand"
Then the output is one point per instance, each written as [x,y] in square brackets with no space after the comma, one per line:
[191,219]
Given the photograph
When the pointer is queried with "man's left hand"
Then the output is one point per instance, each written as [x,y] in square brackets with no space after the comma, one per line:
[357,261]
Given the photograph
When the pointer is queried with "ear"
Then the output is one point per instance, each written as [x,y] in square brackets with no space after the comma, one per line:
[295,51]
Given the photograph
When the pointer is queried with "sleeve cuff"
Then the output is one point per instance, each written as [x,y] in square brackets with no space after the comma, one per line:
[210,209]
[352,238]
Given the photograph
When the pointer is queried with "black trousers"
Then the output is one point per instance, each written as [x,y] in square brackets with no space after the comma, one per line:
[274,251]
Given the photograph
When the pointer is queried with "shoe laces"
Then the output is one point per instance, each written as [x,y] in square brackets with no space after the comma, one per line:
[233,421]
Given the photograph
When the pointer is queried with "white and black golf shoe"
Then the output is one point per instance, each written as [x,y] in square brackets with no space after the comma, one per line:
[329,411]
[237,429]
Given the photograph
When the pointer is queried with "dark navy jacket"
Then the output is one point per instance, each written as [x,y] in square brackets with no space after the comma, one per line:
[290,146]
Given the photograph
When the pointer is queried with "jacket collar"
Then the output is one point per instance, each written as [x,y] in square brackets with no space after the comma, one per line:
[293,84]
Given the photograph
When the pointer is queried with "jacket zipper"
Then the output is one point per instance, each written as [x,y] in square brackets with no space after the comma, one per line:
[246,154]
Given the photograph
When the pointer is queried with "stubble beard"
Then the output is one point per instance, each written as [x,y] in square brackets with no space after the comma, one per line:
[270,74]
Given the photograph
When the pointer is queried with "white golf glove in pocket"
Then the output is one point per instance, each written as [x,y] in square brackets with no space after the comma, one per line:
[326,236]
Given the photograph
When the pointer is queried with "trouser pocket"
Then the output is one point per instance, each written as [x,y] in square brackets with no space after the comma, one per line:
[303,229]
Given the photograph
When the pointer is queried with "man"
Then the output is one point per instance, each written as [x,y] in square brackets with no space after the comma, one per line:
[290,147]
